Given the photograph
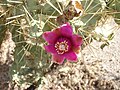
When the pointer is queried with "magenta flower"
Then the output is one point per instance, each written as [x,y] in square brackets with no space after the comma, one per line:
[62,43]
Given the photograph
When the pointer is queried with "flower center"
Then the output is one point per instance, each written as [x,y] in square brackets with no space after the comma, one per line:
[61,47]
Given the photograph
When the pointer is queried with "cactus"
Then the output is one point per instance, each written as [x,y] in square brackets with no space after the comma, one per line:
[28,19]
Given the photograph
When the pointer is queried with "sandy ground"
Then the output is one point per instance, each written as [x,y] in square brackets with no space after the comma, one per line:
[109,56]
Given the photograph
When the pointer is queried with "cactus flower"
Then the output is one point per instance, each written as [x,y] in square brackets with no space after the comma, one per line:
[62,43]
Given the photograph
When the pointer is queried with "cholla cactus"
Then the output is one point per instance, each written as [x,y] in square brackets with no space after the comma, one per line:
[28,20]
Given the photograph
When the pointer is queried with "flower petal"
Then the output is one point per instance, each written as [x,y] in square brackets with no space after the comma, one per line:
[71,56]
[66,30]
[77,40]
[76,49]
[58,58]
[50,49]
[51,36]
